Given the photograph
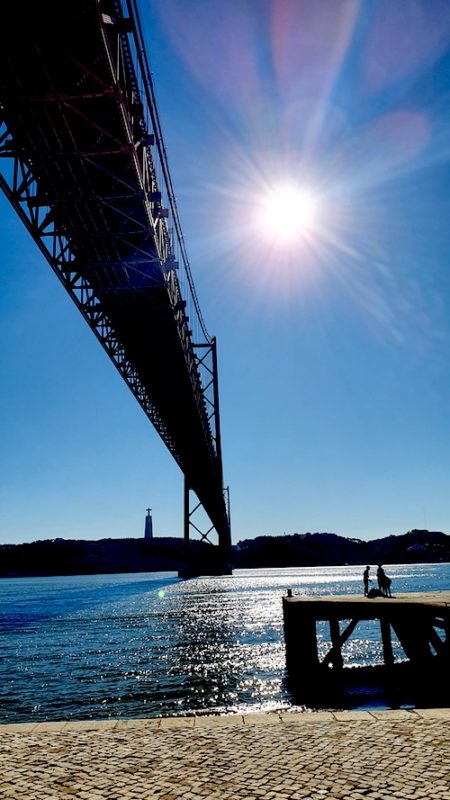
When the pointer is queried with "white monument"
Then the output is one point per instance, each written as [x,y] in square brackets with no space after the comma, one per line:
[148,535]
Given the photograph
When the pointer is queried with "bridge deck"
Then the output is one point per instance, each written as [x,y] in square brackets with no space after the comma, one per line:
[73,101]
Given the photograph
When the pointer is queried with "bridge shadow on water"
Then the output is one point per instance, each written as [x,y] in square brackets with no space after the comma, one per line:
[44,602]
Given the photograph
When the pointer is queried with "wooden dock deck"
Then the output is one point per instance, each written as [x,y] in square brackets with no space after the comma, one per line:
[436,599]
[419,620]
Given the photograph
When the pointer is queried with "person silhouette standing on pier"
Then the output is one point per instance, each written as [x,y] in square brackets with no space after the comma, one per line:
[381,576]
[384,583]
[366,581]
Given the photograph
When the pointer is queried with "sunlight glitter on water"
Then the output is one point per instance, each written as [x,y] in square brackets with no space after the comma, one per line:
[99,646]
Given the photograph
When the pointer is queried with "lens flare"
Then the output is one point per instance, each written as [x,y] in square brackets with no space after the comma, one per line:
[287,213]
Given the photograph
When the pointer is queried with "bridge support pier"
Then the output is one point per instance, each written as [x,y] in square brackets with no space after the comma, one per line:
[186,520]
[215,562]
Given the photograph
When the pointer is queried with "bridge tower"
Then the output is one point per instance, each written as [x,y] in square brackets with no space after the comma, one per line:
[84,165]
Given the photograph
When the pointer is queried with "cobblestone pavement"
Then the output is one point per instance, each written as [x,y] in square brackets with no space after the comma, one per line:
[278,756]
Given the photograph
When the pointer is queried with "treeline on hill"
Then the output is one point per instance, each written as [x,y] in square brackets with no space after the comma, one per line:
[83,557]
[329,549]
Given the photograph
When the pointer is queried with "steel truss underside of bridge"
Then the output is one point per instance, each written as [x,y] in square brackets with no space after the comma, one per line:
[76,144]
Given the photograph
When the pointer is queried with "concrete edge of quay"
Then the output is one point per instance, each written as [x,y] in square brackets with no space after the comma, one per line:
[419,715]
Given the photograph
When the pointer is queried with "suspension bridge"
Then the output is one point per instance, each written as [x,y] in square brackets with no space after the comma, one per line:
[83,163]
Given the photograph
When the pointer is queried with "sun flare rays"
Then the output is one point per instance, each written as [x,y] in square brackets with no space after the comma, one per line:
[286,213]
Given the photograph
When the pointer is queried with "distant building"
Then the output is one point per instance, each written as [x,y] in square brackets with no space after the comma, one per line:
[148,535]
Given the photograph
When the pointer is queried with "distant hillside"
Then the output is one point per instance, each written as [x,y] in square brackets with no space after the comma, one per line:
[82,557]
[329,549]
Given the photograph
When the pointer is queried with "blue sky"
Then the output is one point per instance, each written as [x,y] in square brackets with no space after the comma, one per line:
[334,348]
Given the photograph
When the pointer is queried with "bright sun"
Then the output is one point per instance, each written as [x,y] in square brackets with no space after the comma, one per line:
[287,213]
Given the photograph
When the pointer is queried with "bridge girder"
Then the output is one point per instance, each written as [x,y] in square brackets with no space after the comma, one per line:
[81,144]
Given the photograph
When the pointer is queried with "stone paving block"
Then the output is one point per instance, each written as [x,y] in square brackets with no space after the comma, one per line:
[219,722]
[262,719]
[89,724]
[177,722]
[45,727]
[352,716]
[148,723]
[433,713]
[18,727]
[391,713]
[303,717]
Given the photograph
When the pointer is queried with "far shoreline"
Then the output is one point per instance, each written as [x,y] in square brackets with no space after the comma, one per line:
[71,557]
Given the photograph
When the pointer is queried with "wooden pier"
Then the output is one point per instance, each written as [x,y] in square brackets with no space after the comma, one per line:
[420,621]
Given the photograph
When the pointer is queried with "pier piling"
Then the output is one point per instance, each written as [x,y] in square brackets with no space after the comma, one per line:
[420,621]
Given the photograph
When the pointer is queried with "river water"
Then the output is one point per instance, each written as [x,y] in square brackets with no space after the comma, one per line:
[150,644]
